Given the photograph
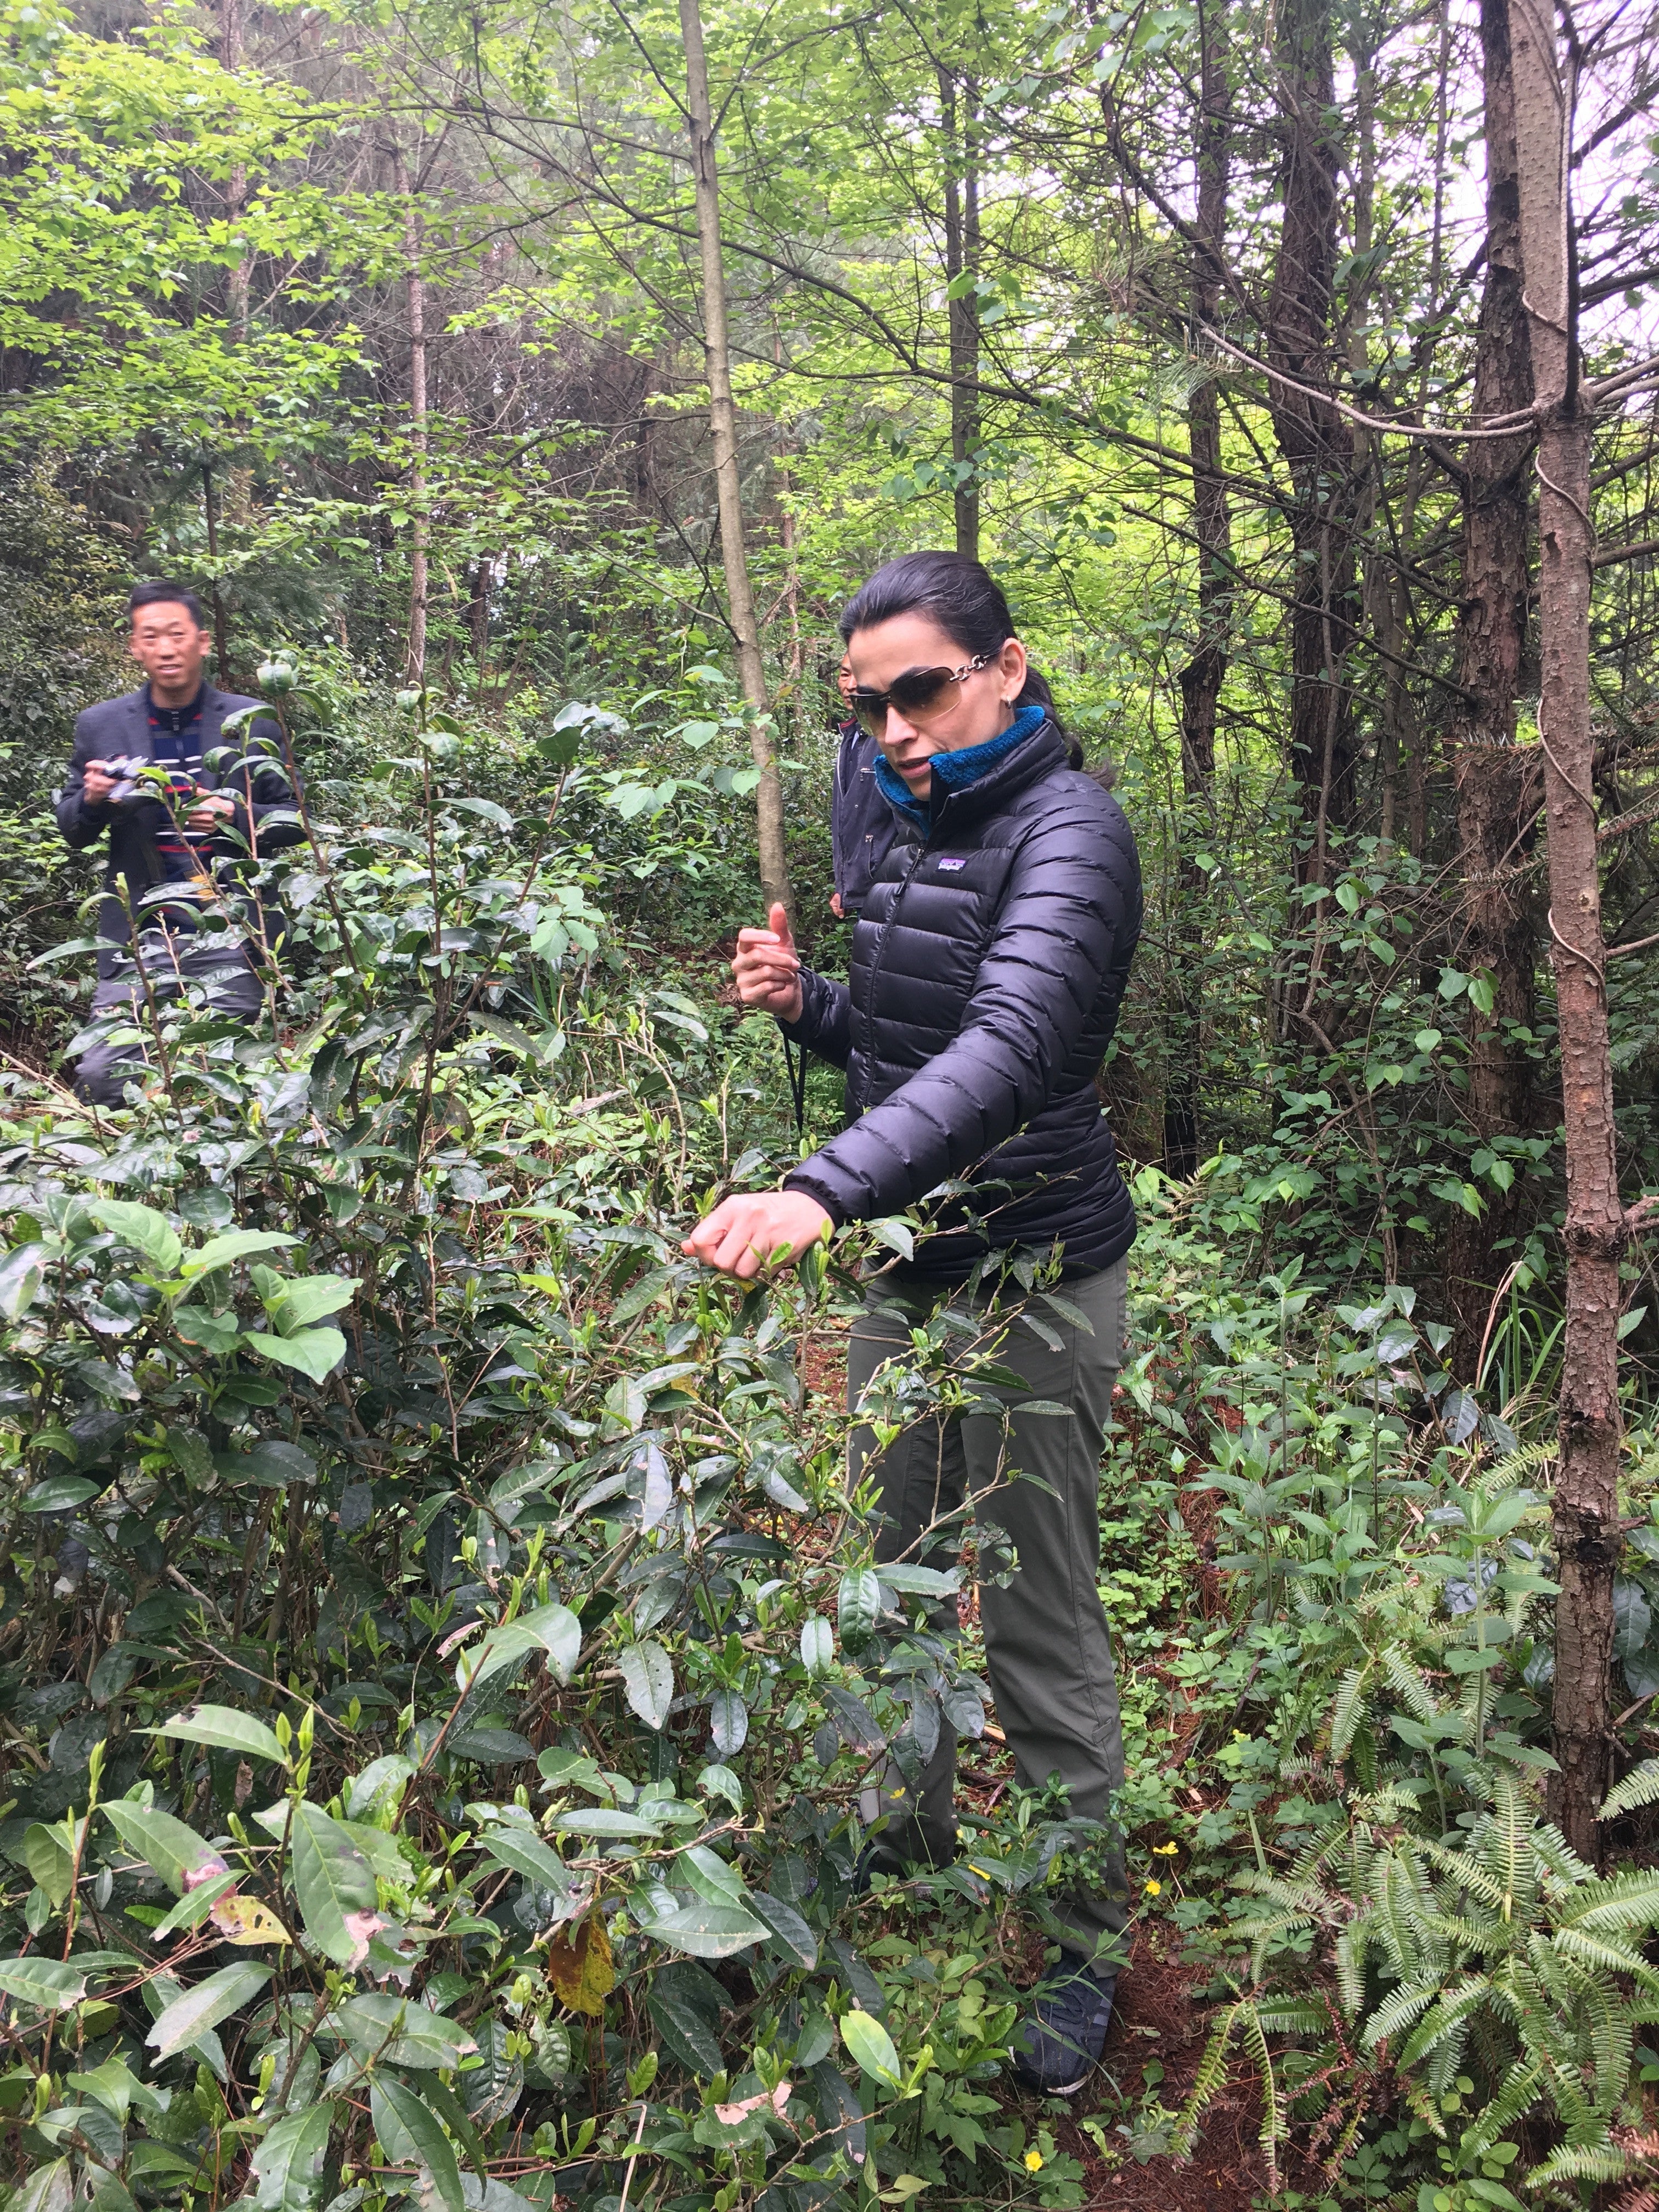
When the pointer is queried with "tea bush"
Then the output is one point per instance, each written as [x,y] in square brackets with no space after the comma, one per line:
[447,1682]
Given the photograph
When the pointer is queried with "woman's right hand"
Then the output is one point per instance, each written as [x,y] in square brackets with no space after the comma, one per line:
[767,969]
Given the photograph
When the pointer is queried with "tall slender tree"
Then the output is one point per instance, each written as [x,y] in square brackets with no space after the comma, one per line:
[1312,434]
[1499,785]
[1587,1488]
[1202,674]
[728,479]
[959,108]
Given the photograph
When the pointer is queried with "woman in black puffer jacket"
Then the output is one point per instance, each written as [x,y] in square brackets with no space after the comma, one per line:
[987,967]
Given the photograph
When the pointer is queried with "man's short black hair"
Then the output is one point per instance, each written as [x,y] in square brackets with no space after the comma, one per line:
[158,594]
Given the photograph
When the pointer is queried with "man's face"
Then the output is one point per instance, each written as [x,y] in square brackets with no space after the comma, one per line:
[169,647]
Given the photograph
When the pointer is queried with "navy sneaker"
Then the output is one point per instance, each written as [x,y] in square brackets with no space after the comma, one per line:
[1060,2042]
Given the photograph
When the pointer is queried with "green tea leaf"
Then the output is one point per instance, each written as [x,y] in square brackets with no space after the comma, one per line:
[48,1985]
[224,1729]
[315,1352]
[412,2135]
[21,1273]
[236,1244]
[551,1628]
[204,2005]
[399,2032]
[144,1228]
[704,1930]
[648,1675]
[165,1844]
[857,1603]
[870,2046]
[291,2164]
[334,1883]
[818,1645]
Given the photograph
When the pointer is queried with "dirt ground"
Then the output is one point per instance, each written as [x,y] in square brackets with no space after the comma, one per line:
[1157,2018]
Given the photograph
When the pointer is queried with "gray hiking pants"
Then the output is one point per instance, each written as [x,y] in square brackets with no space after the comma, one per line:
[1048,1648]
[104,1071]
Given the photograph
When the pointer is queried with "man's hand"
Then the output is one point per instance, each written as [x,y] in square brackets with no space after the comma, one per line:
[768,972]
[212,808]
[743,1235]
[96,783]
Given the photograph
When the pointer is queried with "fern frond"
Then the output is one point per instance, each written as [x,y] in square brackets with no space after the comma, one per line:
[1409,1684]
[1288,2018]
[1593,1950]
[1443,2019]
[1418,2101]
[1526,1459]
[1398,2011]
[1559,1856]
[1506,1847]
[1275,2119]
[1207,2083]
[1516,2095]
[1599,2161]
[1347,1711]
[1625,1902]
[1350,1959]
[1639,1787]
[1491,1936]
[1461,1868]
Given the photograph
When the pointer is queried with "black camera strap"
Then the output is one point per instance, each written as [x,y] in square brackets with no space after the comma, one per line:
[795,1062]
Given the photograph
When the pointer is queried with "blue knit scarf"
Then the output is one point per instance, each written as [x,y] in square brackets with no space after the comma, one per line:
[956,771]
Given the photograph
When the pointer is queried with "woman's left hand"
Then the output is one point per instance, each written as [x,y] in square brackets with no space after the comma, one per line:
[761,1228]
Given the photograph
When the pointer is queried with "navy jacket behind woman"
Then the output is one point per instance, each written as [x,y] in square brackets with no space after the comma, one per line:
[988,963]
[862,827]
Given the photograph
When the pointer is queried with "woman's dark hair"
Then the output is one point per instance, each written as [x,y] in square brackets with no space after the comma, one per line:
[965,601]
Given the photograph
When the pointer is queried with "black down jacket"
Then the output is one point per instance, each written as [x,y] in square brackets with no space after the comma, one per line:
[986,970]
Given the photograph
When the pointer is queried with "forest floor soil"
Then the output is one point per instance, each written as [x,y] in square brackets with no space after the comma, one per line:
[1158,2016]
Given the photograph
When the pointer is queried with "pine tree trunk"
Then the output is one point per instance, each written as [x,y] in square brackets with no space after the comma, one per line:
[236,278]
[1499,787]
[1202,675]
[961,257]
[723,431]
[1315,439]
[1586,1496]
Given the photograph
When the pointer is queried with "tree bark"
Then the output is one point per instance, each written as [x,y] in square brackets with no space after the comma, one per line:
[962,266]
[414,652]
[221,628]
[728,482]
[1202,676]
[1314,438]
[236,280]
[1498,788]
[1586,1497]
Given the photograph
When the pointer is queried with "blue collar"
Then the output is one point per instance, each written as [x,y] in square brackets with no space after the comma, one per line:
[956,771]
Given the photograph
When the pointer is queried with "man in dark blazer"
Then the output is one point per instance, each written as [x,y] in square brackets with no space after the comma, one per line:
[175,837]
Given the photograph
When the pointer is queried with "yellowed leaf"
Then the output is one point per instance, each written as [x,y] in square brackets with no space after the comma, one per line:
[245,1920]
[580,1967]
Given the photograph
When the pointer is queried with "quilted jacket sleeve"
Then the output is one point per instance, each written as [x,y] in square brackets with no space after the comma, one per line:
[825,1026]
[1073,891]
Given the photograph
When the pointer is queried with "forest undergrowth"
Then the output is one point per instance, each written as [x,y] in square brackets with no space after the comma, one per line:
[446,1672]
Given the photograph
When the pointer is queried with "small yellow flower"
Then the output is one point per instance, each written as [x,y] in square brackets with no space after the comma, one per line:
[1154,1889]
[1033,2160]
[1165,1851]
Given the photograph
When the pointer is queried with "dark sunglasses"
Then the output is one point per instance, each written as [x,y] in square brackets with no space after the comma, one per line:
[918,692]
